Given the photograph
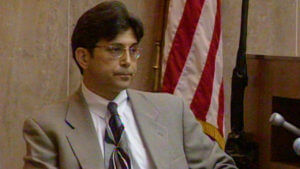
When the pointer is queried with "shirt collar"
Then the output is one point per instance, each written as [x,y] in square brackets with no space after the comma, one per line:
[121,98]
[98,104]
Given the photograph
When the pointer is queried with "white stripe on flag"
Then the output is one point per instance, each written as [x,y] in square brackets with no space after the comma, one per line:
[196,45]
[176,9]
[192,71]
[212,115]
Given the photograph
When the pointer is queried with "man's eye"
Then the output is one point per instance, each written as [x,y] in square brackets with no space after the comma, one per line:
[133,50]
[115,49]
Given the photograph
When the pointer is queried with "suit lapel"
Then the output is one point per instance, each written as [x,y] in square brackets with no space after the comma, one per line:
[153,132]
[83,138]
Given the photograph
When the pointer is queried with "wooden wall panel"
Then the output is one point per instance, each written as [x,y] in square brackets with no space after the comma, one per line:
[268,76]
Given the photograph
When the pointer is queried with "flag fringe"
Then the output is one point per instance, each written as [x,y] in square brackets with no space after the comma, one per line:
[213,132]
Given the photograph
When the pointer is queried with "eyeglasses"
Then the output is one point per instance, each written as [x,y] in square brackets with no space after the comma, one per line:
[118,50]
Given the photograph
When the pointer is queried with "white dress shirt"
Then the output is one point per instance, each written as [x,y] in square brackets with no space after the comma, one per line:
[98,108]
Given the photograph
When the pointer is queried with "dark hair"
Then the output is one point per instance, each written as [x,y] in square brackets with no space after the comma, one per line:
[104,21]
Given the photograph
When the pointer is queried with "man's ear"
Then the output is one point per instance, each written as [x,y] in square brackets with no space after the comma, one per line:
[82,56]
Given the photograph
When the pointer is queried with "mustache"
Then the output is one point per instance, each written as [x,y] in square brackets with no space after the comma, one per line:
[124,72]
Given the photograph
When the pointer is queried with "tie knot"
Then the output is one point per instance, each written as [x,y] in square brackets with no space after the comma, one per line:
[112,108]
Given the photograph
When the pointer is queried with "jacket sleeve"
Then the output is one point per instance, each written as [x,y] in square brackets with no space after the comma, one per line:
[200,150]
[41,152]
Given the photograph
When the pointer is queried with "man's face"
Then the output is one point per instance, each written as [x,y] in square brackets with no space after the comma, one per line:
[113,64]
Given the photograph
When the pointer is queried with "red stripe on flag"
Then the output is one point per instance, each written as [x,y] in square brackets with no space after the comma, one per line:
[182,44]
[202,98]
[221,109]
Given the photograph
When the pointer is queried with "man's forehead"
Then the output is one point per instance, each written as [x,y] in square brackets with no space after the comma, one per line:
[126,37]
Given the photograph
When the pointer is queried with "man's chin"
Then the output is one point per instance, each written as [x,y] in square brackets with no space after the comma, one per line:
[122,85]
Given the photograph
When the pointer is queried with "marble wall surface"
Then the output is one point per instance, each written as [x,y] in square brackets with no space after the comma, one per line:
[33,67]
[273,27]
[36,64]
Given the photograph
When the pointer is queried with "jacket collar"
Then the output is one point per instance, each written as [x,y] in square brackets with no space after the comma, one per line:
[151,127]
[83,138]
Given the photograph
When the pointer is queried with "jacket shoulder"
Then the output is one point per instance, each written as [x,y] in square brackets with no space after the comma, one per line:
[162,101]
[49,117]
[161,96]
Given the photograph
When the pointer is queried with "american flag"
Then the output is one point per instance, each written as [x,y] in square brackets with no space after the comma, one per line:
[192,64]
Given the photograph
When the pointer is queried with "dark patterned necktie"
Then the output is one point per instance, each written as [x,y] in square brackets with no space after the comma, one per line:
[114,136]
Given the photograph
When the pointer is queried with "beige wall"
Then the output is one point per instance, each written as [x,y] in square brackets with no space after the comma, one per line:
[273,29]
[33,51]
[36,66]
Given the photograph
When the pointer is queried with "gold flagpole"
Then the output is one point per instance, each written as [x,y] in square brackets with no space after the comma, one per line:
[156,67]
[159,44]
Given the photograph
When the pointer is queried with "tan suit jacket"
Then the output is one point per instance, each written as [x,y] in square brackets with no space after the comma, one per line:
[63,136]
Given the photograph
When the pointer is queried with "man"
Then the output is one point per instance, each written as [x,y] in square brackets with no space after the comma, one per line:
[105,124]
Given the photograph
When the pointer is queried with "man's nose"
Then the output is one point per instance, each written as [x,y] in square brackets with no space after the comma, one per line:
[126,58]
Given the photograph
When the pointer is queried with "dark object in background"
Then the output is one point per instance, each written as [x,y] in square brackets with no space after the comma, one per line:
[239,144]
[243,150]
